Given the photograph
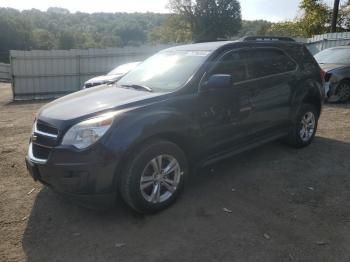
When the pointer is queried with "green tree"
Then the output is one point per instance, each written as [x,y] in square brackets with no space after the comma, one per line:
[59,29]
[175,29]
[130,33]
[315,18]
[289,28]
[66,40]
[343,23]
[111,41]
[209,19]
[58,10]
[42,39]
[253,28]
[15,33]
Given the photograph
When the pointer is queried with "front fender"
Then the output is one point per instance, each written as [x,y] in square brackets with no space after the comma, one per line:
[139,125]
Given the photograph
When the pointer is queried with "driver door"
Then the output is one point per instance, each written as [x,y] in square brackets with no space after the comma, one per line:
[222,110]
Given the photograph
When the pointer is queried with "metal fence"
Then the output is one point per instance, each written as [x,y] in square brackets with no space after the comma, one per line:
[50,74]
[5,72]
[321,42]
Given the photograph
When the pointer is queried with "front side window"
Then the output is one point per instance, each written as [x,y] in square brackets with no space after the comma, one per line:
[232,64]
[266,62]
[166,71]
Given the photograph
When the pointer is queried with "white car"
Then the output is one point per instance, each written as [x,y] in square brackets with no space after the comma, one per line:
[112,76]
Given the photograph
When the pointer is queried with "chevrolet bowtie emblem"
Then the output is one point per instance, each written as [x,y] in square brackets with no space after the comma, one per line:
[34,138]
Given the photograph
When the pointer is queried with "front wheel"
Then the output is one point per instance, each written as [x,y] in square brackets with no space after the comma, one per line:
[154,177]
[304,128]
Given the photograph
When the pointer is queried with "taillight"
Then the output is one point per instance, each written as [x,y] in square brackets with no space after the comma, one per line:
[322,74]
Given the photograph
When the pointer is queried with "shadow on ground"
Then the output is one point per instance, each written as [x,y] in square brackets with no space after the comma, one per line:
[287,205]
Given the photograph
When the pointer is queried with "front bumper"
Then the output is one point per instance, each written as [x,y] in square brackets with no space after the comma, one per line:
[87,182]
[331,92]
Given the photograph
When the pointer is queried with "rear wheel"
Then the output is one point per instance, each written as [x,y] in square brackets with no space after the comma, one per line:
[304,128]
[343,91]
[154,177]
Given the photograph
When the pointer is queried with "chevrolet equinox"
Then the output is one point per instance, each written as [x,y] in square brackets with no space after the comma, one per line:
[185,106]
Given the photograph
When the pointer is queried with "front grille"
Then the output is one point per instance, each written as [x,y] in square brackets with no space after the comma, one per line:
[41,152]
[44,139]
[46,128]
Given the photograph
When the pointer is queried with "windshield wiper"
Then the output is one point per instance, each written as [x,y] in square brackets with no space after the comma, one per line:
[139,87]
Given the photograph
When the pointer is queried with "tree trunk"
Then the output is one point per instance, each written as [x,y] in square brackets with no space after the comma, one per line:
[335,16]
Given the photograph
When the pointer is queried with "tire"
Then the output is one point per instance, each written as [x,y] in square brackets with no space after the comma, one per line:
[343,91]
[143,187]
[296,137]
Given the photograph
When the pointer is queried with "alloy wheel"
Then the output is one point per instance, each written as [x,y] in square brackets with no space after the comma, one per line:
[160,179]
[307,126]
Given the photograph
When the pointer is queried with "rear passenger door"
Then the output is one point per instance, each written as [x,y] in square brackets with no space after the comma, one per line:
[271,74]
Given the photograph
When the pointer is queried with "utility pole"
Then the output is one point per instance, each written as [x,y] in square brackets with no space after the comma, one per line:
[335,16]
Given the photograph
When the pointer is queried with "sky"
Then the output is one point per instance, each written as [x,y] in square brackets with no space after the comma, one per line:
[271,10]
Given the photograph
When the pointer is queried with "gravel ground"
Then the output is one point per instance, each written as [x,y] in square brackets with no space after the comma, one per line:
[287,205]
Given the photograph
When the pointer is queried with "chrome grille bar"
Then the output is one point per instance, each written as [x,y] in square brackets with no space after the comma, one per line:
[33,158]
[36,131]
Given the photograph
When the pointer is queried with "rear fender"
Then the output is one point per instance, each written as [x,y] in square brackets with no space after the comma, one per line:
[310,92]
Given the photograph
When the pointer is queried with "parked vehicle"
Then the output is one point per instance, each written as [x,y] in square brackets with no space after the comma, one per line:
[112,76]
[336,64]
[186,106]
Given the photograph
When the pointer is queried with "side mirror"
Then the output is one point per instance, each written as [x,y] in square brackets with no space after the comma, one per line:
[217,81]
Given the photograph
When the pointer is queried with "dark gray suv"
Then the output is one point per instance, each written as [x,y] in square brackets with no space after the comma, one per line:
[185,106]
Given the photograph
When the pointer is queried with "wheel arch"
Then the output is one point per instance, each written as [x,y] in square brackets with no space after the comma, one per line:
[310,98]
[183,142]
[307,94]
[181,132]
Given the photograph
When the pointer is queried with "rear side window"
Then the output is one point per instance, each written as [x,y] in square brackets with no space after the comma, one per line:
[232,64]
[266,62]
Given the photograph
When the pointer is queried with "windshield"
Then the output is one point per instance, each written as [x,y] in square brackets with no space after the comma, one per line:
[166,71]
[334,56]
[123,69]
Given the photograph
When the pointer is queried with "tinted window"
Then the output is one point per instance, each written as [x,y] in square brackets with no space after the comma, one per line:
[232,64]
[265,62]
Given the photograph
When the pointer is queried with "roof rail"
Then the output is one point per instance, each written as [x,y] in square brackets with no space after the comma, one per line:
[210,40]
[268,38]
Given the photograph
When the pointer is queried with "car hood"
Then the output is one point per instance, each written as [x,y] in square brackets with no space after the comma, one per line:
[103,79]
[330,67]
[93,100]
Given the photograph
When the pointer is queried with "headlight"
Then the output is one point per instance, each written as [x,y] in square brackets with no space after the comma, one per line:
[86,133]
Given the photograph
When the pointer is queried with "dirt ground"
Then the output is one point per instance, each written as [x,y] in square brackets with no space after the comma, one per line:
[287,205]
